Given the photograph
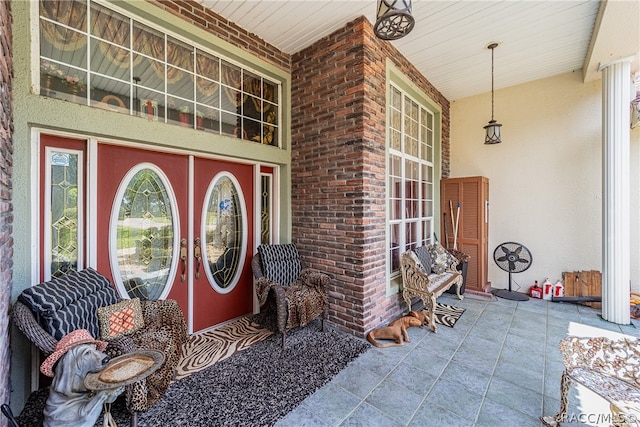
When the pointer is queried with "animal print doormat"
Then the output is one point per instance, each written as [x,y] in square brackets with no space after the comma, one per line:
[207,348]
[448,315]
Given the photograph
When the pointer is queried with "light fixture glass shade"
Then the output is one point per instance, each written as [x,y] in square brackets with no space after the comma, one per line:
[393,19]
[492,133]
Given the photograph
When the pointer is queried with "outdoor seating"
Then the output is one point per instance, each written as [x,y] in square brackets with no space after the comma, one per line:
[295,294]
[48,311]
[609,368]
[427,273]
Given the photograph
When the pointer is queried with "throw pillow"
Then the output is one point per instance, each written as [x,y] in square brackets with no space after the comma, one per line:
[441,259]
[123,318]
[280,263]
[415,259]
[425,258]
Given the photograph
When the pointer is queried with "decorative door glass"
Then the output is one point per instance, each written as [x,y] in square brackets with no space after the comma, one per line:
[143,233]
[223,229]
[65,199]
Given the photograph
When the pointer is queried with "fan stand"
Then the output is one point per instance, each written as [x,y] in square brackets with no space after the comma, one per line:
[509,294]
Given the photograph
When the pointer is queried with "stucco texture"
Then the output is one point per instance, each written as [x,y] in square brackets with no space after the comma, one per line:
[545,177]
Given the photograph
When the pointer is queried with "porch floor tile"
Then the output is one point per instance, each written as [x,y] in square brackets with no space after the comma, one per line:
[499,365]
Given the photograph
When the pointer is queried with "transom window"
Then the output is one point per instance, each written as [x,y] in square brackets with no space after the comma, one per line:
[93,55]
[410,193]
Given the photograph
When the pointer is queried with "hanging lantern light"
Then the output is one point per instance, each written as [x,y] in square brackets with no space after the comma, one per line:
[492,130]
[394,19]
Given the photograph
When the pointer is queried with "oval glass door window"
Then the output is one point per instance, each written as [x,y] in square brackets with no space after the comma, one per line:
[223,227]
[143,242]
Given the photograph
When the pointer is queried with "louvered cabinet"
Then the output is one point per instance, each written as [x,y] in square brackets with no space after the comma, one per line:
[473,224]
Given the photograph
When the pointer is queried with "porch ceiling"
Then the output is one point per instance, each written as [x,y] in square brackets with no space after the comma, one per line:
[537,39]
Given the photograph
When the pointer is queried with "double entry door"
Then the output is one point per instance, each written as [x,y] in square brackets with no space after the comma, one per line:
[166,225]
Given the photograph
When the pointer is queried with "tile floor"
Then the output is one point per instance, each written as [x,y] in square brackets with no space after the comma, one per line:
[499,366]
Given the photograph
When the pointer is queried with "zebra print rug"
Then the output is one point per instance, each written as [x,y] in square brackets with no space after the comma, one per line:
[447,315]
[207,348]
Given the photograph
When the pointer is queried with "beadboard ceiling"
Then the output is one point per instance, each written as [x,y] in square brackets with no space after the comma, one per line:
[537,39]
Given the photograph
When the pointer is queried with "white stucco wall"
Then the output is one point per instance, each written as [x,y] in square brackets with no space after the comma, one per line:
[545,178]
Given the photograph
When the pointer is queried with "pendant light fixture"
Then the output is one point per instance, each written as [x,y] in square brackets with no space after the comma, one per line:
[492,130]
[393,19]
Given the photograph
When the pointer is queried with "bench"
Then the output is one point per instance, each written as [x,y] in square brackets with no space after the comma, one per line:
[609,368]
[427,272]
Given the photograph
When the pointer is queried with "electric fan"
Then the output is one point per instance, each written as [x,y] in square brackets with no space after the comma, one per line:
[514,258]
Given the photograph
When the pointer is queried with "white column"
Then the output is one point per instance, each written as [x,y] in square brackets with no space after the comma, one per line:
[616,261]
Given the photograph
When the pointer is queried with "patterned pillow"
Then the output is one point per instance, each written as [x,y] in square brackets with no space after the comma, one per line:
[425,258]
[441,259]
[280,263]
[123,318]
[69,302]
[415,259]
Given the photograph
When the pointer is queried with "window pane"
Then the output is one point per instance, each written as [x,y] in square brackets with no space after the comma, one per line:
[179,83]
[223,232]
[151,105]
[72,13]
[110,26]
[110,94]
[270,91]
[62,44]
[148,41]
[179,54]
[145,236]
[265,210]
[148,72]
[208,119]
[110,60]
[65,243]
[208,92]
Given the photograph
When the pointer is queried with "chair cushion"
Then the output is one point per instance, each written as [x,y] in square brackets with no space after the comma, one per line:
[425,259]
[123,318]
[70,302]
[280,263]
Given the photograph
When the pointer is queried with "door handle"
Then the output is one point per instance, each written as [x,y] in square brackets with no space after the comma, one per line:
[183,258]
[197,253]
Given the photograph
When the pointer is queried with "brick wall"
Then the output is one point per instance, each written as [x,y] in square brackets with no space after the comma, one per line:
[200,16]
[338,168]
[6,208]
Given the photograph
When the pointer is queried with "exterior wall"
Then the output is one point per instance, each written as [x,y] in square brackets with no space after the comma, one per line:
[338,168]
[32,111]
[546,176]
[6,189]
[197,14]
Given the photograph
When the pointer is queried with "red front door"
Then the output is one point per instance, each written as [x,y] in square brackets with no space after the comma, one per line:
[223,221]
[142,218]
[179,227]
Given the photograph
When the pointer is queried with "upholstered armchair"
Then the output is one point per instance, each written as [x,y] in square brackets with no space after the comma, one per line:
[297,295]
[50,310]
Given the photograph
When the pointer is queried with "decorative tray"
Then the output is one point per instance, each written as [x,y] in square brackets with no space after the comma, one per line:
[124,370]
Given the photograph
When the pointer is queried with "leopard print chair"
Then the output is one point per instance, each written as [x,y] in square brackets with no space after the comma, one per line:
[297,295]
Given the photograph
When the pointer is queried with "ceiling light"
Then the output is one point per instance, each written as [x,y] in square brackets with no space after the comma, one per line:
[393,19]
[492,135]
